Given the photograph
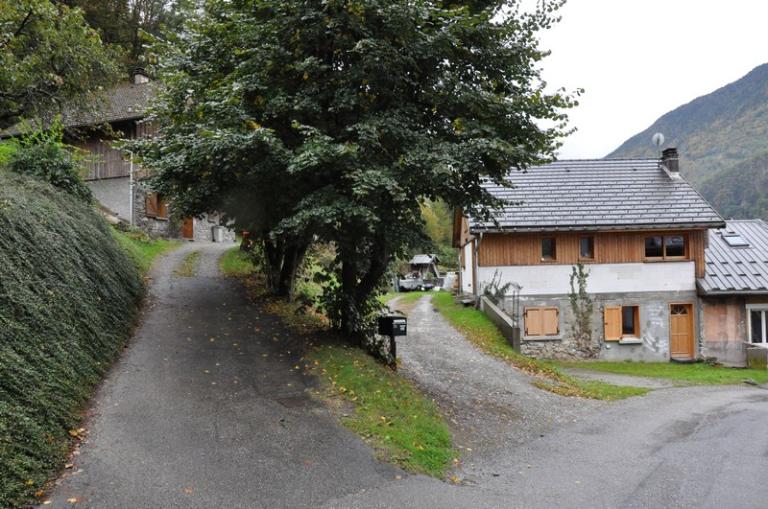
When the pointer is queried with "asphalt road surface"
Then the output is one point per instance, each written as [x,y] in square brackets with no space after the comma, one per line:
[206,410]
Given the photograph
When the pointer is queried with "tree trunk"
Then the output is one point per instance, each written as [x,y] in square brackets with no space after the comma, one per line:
[292,257]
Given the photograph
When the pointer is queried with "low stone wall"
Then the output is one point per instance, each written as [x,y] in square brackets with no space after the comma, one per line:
[503,322]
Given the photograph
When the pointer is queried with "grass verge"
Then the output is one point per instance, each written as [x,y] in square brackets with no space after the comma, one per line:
[142,249]
[390,413]
[387,411]
[405,298]
[481,332]
[697,374]
[188,266]
[235,262]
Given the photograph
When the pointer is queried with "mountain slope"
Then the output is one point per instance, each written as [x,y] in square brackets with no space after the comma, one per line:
[740,192]
[713,133]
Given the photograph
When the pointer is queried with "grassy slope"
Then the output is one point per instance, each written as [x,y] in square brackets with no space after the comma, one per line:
[235,262]
[701,374]
[478,329]
[68,299]
[142,249]
[400,422]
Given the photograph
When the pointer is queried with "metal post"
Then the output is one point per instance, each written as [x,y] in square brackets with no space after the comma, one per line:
[393,351]
[130,188]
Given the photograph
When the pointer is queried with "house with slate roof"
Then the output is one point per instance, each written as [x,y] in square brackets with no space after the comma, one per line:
[638,228]
[734,291]
[117,183]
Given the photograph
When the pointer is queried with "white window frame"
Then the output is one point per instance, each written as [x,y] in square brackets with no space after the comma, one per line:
[764,309]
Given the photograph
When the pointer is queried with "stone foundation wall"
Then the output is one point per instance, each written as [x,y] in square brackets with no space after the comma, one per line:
[652,345]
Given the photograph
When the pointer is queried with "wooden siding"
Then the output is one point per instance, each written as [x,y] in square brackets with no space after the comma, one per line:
[102,161]
[500,249]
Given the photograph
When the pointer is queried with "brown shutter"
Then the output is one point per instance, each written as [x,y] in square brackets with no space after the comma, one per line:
[150,202]
[550,322]
[533,322]
[612,319]
[162,208]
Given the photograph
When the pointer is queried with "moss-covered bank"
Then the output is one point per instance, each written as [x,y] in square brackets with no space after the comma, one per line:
[69,296]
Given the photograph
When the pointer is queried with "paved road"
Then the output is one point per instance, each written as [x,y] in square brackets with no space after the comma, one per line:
[205,411]
[677,447]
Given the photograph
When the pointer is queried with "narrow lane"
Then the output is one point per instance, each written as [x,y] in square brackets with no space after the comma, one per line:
[205,409]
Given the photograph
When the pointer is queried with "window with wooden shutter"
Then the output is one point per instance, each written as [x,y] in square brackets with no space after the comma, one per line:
[162,208]
[612,319]
[151,205]
[542,322]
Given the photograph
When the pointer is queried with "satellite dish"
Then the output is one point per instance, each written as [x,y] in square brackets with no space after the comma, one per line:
[658,140]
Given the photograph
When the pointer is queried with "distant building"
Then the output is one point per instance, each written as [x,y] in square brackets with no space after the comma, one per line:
[118,184]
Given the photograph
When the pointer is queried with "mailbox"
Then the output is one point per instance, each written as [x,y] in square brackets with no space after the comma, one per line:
[393,325]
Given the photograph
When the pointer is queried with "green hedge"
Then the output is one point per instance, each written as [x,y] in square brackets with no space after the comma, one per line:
[68,298]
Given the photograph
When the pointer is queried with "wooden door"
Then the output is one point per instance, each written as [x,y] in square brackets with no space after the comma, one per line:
[681,336]
[188,228]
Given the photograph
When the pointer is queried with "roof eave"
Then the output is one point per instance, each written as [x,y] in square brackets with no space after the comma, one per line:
[613,227]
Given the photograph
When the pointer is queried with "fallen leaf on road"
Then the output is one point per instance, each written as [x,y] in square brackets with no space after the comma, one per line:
[188,490]
[72,500]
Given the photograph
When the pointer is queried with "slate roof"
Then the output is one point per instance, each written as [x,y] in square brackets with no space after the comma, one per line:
[424,259]
[603,194]
[126,101]
[737,270]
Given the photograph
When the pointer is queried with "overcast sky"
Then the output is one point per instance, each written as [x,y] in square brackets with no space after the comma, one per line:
[638,59]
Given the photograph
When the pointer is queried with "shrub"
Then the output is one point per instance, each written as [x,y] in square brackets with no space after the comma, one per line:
[68,298]
[43,155]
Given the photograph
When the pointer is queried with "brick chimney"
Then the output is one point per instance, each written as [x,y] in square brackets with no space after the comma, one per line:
[670,161]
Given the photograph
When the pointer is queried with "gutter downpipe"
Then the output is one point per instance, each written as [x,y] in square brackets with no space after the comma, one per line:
[476,282]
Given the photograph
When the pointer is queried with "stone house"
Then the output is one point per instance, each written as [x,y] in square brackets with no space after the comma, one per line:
[734,291]
[639,229]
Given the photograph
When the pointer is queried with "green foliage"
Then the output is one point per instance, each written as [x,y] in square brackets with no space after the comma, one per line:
[7,149]
[129,25]
[141,248]
[43,155]
[696,374]
[68,298]
[739,192]
[49,56]
[390,412]
[335,120]
[481,332]
[582,306]
[236,262]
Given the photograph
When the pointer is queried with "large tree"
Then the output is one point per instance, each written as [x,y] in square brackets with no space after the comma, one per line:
[48,56]
[336,119]
[130,25]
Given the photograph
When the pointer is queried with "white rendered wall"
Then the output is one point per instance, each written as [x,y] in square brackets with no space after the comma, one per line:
[466,272]
[603,278]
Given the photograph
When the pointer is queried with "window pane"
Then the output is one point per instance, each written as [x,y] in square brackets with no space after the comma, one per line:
[587,247]
[653,248]
[548,250]
[674,245]
[757,326]
[628,320]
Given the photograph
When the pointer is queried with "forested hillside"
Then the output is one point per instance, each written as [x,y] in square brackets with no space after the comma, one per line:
[722,138]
